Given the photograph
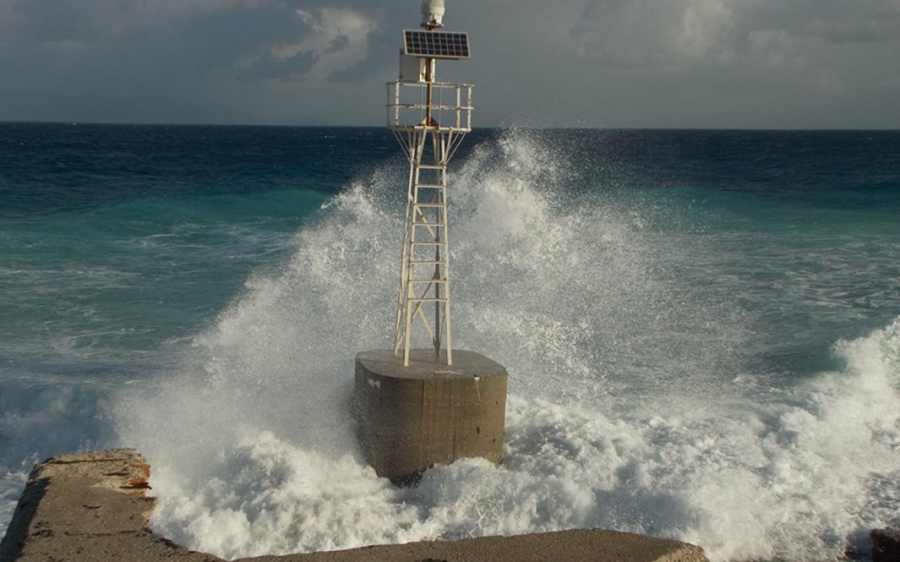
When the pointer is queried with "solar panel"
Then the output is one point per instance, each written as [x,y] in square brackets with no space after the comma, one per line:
[436,44]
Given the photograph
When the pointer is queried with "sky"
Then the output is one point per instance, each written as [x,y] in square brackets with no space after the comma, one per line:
[759,64]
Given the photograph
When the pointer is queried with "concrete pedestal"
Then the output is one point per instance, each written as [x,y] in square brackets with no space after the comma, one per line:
[412,418]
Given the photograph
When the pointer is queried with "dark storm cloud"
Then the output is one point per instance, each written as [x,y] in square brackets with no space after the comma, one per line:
[582,62]
[98,40]
[57,21]
[73,59]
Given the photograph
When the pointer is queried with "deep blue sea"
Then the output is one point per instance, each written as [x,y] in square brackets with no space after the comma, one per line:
[701,328]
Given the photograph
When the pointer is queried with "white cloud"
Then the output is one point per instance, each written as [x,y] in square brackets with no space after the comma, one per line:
[340,38]
[337,38]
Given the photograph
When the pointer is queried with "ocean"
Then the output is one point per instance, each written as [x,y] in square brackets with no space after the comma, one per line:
[701,329]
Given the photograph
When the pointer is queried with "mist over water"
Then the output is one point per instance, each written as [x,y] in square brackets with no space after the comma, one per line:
[642,396]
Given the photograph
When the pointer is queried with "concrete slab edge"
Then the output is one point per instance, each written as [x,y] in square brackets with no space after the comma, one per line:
[92,507]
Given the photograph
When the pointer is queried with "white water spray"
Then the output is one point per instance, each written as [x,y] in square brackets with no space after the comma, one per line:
[639,416]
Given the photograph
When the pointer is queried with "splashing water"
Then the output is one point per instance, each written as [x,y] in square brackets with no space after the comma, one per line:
[630,406]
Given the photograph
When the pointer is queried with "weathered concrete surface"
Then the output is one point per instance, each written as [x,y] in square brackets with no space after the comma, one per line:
[91,508]
[561,546]
[427,413]
[885,545]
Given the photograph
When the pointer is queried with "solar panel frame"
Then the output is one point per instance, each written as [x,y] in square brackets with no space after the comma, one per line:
[436,44]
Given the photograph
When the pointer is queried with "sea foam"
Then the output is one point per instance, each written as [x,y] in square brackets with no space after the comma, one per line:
[629,408]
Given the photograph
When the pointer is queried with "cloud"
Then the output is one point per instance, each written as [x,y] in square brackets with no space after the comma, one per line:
[381,53]
[624,62]
[832,21]
[269,67]
[154,8]
[826,45]
[642,33]
[52,21]
[140,60]
[807,45]
[338,44]
[341,38]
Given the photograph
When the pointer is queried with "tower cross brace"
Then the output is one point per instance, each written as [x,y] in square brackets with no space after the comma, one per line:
[429,119]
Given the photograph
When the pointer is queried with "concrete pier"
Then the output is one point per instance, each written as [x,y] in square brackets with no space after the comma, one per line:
[90,507]
[412,418]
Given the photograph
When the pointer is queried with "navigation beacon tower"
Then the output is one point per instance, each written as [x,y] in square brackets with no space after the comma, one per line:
[429,119]
[420,407]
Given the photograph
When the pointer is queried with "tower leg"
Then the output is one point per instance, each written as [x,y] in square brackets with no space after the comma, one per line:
[425,267]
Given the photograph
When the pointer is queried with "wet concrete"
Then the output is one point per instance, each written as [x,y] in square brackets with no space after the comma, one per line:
[413,417]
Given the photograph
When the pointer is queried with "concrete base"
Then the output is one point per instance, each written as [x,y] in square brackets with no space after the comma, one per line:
[88,508]
[412,418]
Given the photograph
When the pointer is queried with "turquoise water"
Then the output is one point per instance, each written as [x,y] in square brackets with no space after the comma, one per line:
[702,329]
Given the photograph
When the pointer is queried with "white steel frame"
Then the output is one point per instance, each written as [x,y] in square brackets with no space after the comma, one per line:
[429,120]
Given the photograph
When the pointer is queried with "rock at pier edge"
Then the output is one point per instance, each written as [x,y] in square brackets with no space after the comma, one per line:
[92,507]
[886,545]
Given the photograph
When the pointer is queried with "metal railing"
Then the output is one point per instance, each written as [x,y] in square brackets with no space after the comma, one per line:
[429,105]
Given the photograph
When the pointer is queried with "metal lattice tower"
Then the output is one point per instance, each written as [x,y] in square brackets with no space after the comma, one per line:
[429,119]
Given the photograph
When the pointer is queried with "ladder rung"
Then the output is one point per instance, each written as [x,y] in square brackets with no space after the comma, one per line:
[430,205]
[431,185]
[443,224]
[431,167]
[431,299]
[428,243]
[426,262]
